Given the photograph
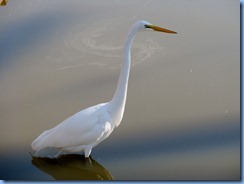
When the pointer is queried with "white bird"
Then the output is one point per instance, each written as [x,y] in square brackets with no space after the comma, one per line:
[87,128]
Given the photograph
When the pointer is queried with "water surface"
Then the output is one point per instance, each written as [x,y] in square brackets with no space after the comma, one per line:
[182,117]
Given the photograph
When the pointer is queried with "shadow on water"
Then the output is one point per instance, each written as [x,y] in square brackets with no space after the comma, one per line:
[72,167]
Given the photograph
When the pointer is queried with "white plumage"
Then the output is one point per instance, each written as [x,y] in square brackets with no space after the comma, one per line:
[87,128]
[80,132]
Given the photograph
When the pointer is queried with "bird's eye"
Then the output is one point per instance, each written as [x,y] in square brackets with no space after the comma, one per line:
[146,26]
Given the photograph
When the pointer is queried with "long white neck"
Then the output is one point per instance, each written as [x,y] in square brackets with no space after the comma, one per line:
[118,101]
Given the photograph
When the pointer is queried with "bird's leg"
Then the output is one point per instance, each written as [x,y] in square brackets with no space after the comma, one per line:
[37,153]
[56,156]
[87,151]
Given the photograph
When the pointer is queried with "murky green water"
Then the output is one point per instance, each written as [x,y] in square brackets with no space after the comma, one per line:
[182,117]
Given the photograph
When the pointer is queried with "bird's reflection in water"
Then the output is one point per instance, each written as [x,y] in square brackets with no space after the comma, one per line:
[72,167]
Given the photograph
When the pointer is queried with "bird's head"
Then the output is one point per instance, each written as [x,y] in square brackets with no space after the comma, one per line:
[144,25]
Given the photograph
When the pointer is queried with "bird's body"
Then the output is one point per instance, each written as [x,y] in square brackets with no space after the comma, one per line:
[80,132]
[87,128]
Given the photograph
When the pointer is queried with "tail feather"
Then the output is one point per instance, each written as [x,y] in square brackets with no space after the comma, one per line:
[41,141]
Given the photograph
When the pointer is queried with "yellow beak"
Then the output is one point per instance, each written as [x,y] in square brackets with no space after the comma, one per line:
[156,28]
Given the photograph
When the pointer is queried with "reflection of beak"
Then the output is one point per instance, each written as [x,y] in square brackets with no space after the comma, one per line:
[156,28]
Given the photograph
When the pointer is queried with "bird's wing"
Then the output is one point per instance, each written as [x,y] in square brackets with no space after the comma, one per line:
[82,128]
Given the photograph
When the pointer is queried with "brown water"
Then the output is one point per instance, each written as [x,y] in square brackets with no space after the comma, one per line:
[182,117]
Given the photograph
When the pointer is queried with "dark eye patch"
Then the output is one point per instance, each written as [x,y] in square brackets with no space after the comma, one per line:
[147,26]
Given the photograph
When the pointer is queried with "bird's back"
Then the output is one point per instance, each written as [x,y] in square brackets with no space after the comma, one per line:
[82,128]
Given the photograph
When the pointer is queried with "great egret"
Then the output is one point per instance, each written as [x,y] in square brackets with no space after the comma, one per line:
[87,128]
